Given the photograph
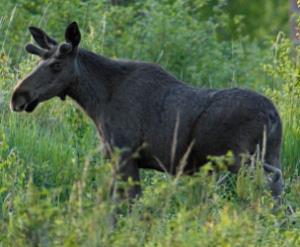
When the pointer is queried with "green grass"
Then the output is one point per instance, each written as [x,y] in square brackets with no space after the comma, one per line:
[54,184]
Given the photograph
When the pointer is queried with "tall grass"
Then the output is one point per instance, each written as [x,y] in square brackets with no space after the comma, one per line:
[54,184]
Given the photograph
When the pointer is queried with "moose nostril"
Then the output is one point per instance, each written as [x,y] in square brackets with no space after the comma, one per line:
[19,101]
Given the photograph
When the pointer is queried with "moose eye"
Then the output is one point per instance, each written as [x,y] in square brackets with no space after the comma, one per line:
[55,67]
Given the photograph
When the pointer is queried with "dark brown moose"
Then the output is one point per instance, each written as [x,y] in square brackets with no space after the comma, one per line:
[141,109]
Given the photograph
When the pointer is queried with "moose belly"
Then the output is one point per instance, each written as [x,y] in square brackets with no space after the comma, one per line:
[167,148]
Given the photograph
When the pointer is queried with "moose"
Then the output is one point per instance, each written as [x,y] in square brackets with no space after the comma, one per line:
[148,114]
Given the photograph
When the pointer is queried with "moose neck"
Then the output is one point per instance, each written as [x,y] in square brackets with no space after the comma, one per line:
[96,80]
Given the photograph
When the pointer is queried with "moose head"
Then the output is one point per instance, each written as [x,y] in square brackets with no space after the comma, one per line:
[55,72]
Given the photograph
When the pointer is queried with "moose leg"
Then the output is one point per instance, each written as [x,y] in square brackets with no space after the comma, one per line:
[275,182]
[127,171]
[125,186]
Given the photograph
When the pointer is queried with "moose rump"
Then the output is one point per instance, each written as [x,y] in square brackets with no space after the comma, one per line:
[209,122]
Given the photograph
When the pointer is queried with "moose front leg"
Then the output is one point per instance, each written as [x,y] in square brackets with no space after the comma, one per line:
[125,187]
[126,183]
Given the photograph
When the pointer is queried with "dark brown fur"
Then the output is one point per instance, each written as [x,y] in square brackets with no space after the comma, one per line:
[139,107]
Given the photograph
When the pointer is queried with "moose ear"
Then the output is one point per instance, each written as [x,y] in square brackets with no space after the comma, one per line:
[72,34]
[41,38]
[35,50]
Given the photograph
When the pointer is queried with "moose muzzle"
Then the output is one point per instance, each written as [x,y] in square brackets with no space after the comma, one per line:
[22,101]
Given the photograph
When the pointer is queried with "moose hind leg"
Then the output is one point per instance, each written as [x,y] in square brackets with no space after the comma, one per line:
[275,182]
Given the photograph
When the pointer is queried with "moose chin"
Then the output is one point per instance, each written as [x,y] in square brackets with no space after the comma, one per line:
[138,107]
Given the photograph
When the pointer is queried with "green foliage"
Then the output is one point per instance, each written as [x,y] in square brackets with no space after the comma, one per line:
[285,70]
[259,18]
[54,184]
